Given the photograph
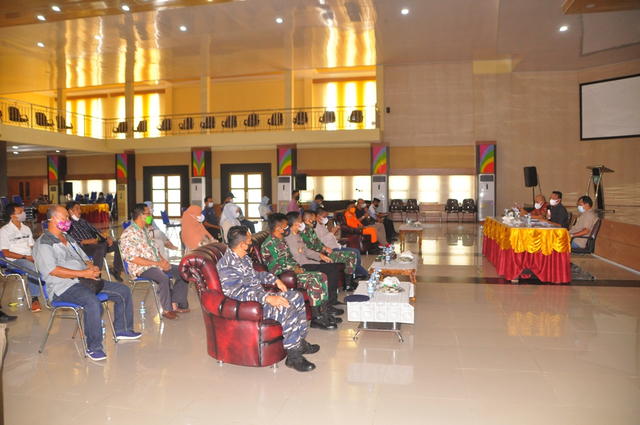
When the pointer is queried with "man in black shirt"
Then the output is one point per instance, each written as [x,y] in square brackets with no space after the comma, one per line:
[559,214]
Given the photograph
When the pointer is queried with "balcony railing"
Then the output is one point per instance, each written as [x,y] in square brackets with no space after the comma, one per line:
[299,119]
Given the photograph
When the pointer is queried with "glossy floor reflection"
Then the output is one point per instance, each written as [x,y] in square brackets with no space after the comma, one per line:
[477,354]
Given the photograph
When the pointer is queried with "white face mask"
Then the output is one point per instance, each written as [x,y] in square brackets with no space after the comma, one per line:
[301,226]
[553,202]
[22,216]
[199,218]
[210,205]
[323,220]
[74,218]
[151,211]
[538,205]
[237,214]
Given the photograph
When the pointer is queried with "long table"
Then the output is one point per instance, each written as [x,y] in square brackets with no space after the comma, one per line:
[93,213]
[543,250]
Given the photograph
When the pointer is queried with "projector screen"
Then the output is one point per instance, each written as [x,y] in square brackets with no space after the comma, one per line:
[610,108]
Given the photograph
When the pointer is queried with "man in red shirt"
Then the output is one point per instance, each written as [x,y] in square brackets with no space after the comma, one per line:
[540,210]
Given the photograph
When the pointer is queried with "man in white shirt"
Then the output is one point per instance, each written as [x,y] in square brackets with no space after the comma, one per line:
[16,243]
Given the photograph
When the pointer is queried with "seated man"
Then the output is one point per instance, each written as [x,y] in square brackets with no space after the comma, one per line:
[378,217]
[278,259]
[559,215]
[16,242]
[585,222]
[143,260]
[540,210]
[94,243]
[352,221]
[316,203]
[363,215]
[101,199]
[312,261]
[211,219]
[61,262]
[312,241]
[241,282]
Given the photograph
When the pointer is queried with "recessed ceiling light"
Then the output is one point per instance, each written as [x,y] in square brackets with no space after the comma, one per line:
[42,18]
[40,44]
[564,28]
[97,37]
[279,20]
[15,147]
[589,6]
[183,28]
[55,8]
[125,8]
[405,11]
[16,153]
[57,150]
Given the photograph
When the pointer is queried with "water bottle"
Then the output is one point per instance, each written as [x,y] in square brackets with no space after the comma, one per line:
[142,309]
[104,331]
[371,286]
[528,220]
[387,255]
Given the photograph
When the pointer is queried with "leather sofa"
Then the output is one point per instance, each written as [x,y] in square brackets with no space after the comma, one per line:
[354,237]
[236,331]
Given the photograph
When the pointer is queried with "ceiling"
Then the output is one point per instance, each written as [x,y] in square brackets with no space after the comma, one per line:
[240,38]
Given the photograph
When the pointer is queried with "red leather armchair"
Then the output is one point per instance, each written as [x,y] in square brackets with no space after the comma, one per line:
[355,238]
[236,331]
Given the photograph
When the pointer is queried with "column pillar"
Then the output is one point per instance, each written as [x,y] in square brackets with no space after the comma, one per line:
[56,175]
[200,169]
[288,98]
[4,175]
[380,96]
[129,72]
[205,95]
[286,157]
[125,183]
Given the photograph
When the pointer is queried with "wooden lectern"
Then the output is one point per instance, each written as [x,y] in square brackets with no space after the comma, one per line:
[597,172]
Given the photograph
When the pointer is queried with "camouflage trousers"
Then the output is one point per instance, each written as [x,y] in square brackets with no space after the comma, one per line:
[293,318]
[315,284]
[349,259]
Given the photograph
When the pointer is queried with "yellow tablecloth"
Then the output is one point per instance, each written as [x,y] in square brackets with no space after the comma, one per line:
[531,240]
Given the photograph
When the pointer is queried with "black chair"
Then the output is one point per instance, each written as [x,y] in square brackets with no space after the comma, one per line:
[396,210]
[42,121]
[253,120]
[61,122]
[165,125]
[328,117]
[276,119]
[302,118]
[452,207]
[469,207]
[209,123]
[230,122]
[121,128]
[186,124]
[15,116]
[412,208]
[142,127]
[356,117]
[590,247]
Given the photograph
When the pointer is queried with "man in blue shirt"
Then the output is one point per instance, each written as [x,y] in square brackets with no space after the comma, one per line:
[211,222]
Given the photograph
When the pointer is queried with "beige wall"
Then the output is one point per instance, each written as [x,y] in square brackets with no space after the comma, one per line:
[333,159]
[27,167]
[91,164]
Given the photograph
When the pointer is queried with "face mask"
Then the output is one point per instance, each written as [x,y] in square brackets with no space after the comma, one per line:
[63,226]
[553,202]
[352,210]
[361,206]
[580,208]
[249,248]
[297,198]
[22,216]
[73,217]
[538,205]
[148,219]
[323,220]
[301,227]
[237,214]
[210,205]
[200,218]
[151,211]
[286,231]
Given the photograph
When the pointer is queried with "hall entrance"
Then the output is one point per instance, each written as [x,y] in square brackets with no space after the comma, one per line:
[247,189]
[166,192]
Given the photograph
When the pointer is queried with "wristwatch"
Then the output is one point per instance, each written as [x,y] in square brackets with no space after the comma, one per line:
[24,257]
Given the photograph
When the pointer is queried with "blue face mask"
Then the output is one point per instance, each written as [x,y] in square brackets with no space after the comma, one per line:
[580,208]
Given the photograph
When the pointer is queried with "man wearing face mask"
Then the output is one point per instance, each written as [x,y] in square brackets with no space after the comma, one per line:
[278,259]
[585,223]
[293,204]
[61,262]
[352,221]
[312,241]
[16,243]
[559,215]
[143,260]
[314,261]
[540,208]
[378,217]
[94,243]
[363,215]
[210,218]
[240,281]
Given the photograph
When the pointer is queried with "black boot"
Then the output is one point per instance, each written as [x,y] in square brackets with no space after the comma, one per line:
[335,311]
[306,348]
[349,284]
[320,321]
[295,360]
[330,317]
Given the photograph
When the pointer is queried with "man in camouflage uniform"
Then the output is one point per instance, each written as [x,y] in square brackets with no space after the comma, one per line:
[241,282]
[278,259]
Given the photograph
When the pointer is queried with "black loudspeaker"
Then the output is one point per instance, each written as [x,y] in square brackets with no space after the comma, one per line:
[301,181]
[530,176]
[68,188]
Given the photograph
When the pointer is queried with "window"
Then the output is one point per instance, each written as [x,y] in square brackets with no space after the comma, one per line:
[399,187]
[166,195]
[247,189]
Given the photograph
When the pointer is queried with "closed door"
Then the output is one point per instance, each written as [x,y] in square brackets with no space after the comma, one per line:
[166,193]
[247,189]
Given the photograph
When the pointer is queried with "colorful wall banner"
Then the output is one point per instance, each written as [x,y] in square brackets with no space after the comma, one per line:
[121,166]
[52,165]
[379,163]
[285,162]
[198,163]
[487,159]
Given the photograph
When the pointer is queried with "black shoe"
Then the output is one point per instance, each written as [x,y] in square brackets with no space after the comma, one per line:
[4,318]
[336,302]
[115,275]
[306,348]
[295,360]
[335,319]
[335,311]
[322,323]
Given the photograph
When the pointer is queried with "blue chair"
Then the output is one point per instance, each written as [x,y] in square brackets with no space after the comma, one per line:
[168,224]
[6,271]
[94,196]
[133,282]
[18,200]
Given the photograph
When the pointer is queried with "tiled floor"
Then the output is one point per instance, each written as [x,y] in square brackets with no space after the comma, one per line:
[478,353]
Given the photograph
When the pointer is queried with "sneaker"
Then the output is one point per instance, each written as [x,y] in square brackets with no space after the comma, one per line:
[115,275]
[96,356]
[128,335]
[35,306]
[4,318]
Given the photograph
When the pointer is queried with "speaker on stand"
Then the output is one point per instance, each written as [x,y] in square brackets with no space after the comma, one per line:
[531,180]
